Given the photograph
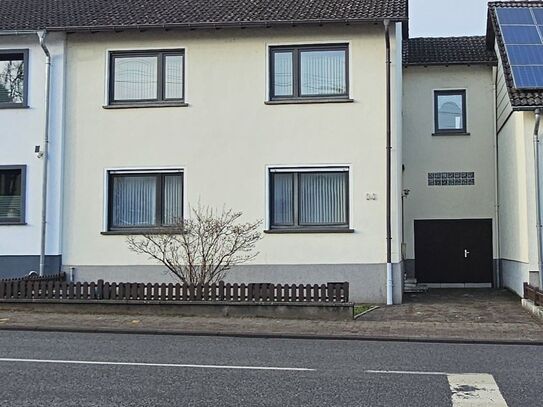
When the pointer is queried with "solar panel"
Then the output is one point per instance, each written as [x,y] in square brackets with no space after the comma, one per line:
[522,32]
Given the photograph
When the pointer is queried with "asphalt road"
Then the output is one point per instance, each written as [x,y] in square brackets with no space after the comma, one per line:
[61,369]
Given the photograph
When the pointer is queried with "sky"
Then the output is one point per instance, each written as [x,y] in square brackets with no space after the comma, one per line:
[443,18]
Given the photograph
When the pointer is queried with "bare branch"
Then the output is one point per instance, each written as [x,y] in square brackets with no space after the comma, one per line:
[203,248]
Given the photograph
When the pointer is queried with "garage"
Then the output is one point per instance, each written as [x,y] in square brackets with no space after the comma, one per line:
[454,252]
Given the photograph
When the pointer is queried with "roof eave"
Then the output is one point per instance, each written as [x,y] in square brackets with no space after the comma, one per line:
[218,25]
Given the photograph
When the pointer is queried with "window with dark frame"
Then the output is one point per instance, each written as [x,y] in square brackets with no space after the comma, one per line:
[450,111]
[305,199]
[12,194]
[310,72]
[147,77]
[143,200]
[13,78]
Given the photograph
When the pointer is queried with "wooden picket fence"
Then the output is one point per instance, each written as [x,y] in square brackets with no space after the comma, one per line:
[63,291]
[533,293]
[49,277]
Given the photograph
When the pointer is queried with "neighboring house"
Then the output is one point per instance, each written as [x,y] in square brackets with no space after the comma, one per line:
[22,114]
[515,33]
[282,113]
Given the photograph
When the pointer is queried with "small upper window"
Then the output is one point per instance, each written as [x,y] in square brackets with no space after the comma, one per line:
[146,77]
[450,111]
[13,74]
[12,200]
[308,72]
[302,199]
[141,200]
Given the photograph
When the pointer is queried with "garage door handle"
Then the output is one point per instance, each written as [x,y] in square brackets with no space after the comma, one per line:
[466,253]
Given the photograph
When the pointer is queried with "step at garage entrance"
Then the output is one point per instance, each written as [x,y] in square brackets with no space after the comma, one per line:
[453,251]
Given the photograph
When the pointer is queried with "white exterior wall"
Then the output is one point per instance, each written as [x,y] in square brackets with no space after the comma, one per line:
[225,140]
[424,153]
[22,129]
[518,231]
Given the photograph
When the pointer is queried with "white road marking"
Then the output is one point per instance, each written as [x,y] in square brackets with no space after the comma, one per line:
[92,362]
[475,390]
[468,389]
[406,372]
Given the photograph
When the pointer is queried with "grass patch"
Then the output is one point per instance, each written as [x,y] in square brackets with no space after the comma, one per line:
[360,308]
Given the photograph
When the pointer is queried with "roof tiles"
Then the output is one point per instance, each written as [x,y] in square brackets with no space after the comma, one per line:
[73,15]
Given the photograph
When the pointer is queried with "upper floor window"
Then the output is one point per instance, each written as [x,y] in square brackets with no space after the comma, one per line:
[146,77]
[309,198]
[315,71]
[13,78]
[143,200]
[12,197]
[450,111]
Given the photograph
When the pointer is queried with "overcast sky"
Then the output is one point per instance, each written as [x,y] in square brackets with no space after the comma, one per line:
[439,18]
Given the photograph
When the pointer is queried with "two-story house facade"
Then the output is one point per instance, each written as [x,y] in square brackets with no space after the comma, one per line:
[286,124]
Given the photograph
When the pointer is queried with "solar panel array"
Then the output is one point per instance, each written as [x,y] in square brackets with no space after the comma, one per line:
[522,31]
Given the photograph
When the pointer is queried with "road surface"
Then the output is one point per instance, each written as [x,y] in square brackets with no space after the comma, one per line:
[76,369]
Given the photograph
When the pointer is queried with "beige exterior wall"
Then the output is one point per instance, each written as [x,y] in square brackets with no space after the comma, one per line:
[424,153]
[227,137]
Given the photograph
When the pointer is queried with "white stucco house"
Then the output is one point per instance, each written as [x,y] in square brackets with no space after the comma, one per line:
[370,157]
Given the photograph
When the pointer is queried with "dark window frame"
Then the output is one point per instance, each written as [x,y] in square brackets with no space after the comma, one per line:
[159,198]
[297,50]
[24,103]
[449,92]
[297,225]
[22,218]
[161,84]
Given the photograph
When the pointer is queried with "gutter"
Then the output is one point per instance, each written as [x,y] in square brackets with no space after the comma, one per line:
[223,24]
[389,281]
[539,221]
[43,153]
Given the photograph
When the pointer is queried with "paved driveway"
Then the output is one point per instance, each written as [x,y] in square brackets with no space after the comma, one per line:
[457,305]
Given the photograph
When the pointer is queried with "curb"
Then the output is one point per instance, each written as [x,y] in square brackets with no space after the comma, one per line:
[264,335]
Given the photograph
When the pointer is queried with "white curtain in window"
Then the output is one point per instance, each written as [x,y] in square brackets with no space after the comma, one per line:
[173,87]
[450,112]
[323,198]
[134,201]
[323,72]
[283,199]
[282,67]
[136,78]
[173,199]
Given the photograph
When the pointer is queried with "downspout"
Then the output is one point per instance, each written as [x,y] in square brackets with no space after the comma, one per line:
[537,165]
[390,282]
[45,151]
[497,182]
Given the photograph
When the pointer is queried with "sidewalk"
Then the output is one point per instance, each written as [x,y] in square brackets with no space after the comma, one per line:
[493,316]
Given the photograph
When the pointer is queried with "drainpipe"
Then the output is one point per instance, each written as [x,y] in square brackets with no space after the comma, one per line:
[45,151]
[390,282]
[538,195]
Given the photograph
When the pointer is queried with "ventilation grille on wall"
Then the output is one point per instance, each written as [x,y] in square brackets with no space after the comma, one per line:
[450,178]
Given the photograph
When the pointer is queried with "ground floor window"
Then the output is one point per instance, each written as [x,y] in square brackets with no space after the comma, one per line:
[141,200]
[309,198]
[12,194]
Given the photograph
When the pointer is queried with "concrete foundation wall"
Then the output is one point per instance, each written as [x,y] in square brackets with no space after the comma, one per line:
[513,274]
[367,281]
